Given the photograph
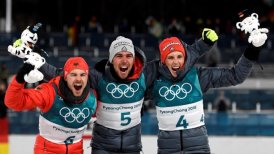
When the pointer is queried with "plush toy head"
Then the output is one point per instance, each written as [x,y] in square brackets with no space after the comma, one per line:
[249,22]
[25,44]
[23,48]
[29,36]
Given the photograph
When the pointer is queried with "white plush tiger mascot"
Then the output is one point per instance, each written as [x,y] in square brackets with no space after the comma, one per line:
[250,24]
[23,48]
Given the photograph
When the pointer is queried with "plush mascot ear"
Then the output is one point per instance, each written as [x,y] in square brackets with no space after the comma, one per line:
[239,25]
[35,28]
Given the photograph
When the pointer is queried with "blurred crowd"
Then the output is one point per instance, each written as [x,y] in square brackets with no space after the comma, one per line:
[178,16]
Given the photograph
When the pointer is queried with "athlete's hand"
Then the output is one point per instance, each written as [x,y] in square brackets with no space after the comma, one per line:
[209,36]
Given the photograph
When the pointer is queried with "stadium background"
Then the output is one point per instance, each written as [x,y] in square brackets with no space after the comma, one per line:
[67,32]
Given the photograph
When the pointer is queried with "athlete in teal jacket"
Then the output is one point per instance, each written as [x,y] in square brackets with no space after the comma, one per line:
[178,95]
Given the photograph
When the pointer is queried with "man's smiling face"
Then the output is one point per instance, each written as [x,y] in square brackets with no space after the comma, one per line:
[123,62]
[174,62]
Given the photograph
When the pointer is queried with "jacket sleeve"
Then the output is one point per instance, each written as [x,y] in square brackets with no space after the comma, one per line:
[50,71]
[18,98]
[196,50]
[224,77]
[94,78]
[150,71]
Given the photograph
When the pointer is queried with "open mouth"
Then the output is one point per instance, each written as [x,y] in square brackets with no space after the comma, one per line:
[175,68]
[123,69]
[77,87]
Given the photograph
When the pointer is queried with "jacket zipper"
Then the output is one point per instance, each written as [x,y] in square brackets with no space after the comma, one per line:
[122,135]
[181,140]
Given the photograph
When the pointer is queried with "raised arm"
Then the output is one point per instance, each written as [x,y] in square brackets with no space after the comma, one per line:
[224,77]
[18,98]
[201,46]
[50,71]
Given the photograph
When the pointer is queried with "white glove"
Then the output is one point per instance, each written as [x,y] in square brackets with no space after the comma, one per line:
[34,76]
[35,59]
[258,37]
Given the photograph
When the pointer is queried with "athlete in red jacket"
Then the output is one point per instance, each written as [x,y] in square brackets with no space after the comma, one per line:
[66,105]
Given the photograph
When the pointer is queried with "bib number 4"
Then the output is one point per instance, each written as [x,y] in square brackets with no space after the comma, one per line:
[182,122]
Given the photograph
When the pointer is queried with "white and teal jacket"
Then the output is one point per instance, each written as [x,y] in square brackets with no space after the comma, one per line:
[179,103]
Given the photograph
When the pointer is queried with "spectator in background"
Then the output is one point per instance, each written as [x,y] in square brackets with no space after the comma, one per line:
[222,103]
[155,28]
[213,57]
[229,28]
[94,26]
[188,23]
[175,27]
[73,31]
[123,26]
[4,73]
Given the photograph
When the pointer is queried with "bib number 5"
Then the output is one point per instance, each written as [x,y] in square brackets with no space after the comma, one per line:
[125,118]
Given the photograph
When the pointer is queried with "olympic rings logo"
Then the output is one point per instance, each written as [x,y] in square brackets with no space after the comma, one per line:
[122,89]
[74,115]
[175,91]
